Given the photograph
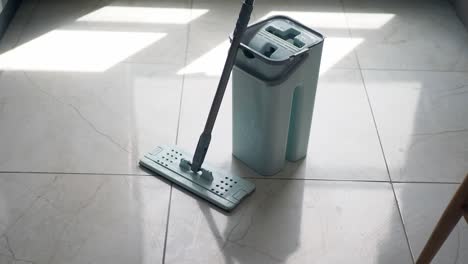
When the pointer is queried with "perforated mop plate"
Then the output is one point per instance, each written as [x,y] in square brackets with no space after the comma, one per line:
[172,163]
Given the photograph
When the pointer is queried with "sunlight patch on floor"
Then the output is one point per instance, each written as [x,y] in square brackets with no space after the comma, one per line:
[335,49]
[211,63]
[76,51]
[147,15]
[336,20]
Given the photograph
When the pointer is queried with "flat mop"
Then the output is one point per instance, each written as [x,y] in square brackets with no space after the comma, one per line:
[172,163]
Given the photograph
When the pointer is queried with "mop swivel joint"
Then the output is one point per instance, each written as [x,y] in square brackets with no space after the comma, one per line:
[200,152]
[185,165]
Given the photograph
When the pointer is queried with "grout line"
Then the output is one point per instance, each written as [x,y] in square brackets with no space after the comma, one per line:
[316,179]
[379,138]
[386,163]
[350,180]
[252,178]
[167,226]
[367,96]
[374,120]
[73,173]
[412,70]
[426,182]
[177,131]
[183,76]
[402,222]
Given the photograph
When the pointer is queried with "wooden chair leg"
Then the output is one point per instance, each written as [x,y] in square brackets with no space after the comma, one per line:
[442,231]
[466,213]
[446,224]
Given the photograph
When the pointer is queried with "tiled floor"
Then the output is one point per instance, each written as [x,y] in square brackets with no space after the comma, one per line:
[87,87]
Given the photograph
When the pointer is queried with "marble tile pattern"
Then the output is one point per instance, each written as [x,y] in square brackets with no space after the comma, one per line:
[291,222]
[421,206]
[422,118]
[47,218]
[388,143]
[421,35]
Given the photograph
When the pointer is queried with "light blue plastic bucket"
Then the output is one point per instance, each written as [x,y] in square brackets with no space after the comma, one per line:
[274,83]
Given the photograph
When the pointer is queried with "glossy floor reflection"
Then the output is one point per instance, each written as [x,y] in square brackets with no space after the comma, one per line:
[47,218]
[291,222]
[387,148]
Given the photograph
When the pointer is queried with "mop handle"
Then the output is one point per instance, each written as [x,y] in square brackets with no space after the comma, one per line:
[205,137]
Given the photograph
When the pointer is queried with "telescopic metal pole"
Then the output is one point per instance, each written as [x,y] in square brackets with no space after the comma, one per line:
[205,137]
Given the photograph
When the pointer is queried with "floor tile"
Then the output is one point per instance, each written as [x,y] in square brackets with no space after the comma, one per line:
[409,35]
[120,17]
[343,143]
[421,207]
[86,122]
[423,123]
[291,222]
[82,219]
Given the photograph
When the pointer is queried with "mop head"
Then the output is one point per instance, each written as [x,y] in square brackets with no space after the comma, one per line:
[224,191]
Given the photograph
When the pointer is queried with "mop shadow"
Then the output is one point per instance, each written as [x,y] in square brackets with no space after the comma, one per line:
[266,226]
